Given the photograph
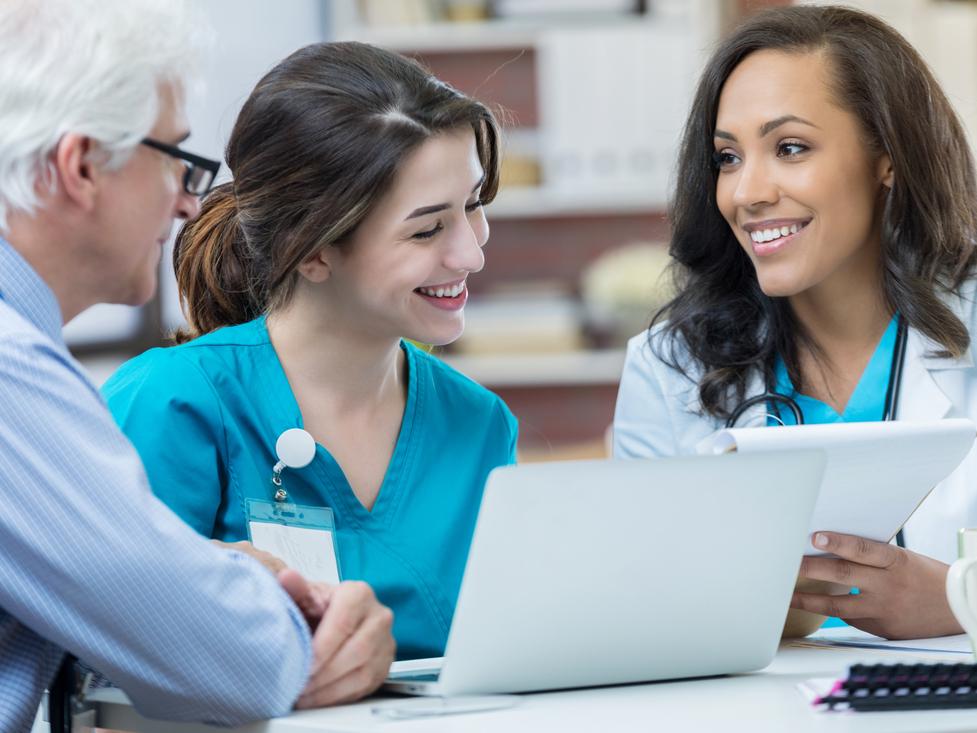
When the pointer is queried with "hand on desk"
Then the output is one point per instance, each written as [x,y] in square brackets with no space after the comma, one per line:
[352,643]
[902,595]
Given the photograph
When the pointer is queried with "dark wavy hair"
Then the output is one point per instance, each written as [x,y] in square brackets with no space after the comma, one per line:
[727,326]
[316,145]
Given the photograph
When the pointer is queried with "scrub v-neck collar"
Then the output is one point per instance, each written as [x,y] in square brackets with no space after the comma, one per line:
[867,401]
[325,468]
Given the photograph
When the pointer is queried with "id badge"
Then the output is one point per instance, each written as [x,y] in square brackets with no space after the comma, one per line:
[303,537]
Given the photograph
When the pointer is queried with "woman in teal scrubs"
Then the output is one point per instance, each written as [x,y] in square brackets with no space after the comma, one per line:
[352,224]
[825,192]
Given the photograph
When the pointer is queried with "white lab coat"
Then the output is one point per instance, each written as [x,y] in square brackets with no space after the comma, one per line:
[658,414]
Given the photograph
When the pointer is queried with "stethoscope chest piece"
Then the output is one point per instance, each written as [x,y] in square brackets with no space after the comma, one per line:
[295,448]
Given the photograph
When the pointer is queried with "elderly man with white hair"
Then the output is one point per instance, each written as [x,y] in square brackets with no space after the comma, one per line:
[91,180]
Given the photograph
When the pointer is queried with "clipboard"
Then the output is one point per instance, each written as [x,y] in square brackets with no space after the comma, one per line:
[877,473]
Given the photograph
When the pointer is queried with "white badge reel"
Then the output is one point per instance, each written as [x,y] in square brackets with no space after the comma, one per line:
[295,448]
[303,537]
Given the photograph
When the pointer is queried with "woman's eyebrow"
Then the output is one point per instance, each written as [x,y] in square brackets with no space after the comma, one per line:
[767,127]
[434,208]
[427,210]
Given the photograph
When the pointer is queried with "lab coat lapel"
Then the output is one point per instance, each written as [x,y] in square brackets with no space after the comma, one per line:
[920,397]
[754,417]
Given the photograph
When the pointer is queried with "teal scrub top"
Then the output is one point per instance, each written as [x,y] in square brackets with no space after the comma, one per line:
[866,404]
[205,416]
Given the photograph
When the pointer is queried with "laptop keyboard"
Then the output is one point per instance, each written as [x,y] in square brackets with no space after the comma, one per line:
[419,675]
[905,687]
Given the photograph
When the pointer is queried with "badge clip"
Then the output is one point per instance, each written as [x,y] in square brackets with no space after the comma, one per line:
[295,448]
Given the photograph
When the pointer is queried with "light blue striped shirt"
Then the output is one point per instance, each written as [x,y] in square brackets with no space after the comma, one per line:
[92,563]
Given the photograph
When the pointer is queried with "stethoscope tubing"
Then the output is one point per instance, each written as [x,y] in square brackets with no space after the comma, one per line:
[891,391]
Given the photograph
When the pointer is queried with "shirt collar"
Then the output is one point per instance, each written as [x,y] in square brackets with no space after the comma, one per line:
[24,291]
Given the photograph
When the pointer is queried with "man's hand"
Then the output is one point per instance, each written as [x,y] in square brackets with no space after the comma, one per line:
[902,595]
[311,598]
[352,642]
[272,563]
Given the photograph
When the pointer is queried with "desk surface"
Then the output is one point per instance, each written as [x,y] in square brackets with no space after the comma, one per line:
[764,701]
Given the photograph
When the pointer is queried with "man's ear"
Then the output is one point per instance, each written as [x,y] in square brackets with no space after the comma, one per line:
[76,174]
[316,268]
[887,176]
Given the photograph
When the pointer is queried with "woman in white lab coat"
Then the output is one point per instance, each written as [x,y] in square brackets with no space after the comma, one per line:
[826,198]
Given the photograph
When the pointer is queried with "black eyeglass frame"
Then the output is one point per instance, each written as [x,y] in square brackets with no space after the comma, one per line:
[195,161]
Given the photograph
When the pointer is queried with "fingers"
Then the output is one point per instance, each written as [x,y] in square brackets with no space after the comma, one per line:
[902,594]
[856,549]
[312,599]
[358,667]
[844,606]
[345,690]
[371,641]
[271,562]
[350,605]
[294,584]
[843,572]
[353,686]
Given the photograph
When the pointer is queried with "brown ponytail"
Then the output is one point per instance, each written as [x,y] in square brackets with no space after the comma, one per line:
[315,146]
[211,268]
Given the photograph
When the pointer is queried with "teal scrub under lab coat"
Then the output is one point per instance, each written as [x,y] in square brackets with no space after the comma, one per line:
[867,402]
[205,416]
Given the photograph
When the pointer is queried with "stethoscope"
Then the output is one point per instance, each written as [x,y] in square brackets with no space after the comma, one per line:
[891,396]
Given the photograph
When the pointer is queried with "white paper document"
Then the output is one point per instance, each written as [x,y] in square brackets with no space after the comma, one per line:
[877,473]
[849,636]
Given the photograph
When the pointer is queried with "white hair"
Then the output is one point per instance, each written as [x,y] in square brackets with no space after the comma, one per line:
[90,67]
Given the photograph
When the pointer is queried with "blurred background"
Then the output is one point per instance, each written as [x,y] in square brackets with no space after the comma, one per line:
[593,95]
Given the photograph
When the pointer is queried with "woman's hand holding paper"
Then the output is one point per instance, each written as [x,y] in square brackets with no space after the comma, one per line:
[900,593]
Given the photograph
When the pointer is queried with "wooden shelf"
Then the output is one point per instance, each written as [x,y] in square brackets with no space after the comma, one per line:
[531,203]
[489,35]
[446,37]
[600,367]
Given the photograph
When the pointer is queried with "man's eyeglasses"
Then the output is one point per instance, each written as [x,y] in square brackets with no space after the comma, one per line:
[200,172]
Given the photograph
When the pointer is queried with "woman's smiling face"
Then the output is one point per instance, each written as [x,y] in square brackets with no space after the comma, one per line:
[798,183]
[406,269]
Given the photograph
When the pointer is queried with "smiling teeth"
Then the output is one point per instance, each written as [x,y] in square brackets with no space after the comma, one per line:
[766,235]
[452,292]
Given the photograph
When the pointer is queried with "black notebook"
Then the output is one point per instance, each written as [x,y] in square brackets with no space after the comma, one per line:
[872,687]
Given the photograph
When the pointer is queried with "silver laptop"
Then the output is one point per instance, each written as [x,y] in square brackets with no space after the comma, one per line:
[603,572]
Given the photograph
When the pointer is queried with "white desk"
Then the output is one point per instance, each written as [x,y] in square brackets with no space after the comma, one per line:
[753,703]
